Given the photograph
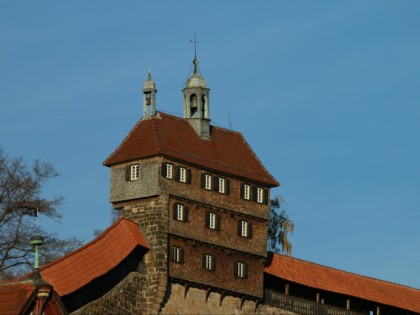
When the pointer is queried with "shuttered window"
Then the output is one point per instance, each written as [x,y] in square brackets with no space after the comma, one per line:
[241,270]
[209,262]
[244,228]
[180,212]
[177,254]
[212,221]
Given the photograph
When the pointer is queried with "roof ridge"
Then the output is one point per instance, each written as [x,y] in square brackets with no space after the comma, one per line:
[343,271]
[213,126]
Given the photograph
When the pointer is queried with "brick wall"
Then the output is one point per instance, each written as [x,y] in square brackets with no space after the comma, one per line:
[193,191]
[223,276]
[226,235]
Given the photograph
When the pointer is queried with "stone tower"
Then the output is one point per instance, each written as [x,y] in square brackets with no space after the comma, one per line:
[199,193]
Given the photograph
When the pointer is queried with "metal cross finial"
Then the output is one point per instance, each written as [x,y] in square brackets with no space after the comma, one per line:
[195,45]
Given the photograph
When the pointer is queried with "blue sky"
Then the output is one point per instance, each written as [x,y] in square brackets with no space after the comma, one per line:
[326,93]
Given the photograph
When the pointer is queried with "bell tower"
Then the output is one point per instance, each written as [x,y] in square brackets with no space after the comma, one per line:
[149,98]
[196,103]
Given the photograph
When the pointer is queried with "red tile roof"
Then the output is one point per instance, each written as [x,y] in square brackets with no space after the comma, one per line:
[94,259]
[334,280]
[173,137]
[14,296]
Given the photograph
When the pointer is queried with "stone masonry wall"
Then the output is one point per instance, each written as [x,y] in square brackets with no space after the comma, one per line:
[146,186]
[195,303]
[152,216]
[127,297]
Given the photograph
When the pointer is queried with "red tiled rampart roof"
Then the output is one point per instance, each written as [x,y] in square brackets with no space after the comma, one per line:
[14,296]
[334,280]
[95,258]
[167,135]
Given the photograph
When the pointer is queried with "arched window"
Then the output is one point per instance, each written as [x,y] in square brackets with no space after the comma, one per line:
[193,105]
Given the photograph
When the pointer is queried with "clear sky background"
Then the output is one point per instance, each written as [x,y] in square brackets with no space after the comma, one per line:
[326,93]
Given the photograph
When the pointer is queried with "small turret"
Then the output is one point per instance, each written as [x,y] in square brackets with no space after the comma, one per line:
[149,98]
[196,103]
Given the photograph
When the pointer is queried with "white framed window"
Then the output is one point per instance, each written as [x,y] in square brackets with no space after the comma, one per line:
[260,195]
[244,228]
[134,172]
[212,221]
[209,262]
[221,185]
[182,174]
[207,181]
[241,270]
[177,254]
[247,192]
[179,212]
[169,170]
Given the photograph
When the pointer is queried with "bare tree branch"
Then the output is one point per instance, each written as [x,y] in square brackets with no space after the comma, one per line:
[20,194]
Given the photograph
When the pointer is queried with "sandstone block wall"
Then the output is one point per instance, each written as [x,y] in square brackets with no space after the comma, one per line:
[195,303]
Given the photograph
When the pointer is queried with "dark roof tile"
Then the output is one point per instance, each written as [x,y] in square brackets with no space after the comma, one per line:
[173,137]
